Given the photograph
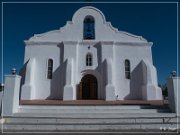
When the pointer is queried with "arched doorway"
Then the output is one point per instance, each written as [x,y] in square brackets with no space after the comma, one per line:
[88,88]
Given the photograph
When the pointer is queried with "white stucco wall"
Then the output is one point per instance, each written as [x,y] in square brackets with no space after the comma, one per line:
[68,50]
[42,53]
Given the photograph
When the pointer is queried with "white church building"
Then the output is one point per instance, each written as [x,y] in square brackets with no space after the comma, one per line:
[88,59]
[88,77]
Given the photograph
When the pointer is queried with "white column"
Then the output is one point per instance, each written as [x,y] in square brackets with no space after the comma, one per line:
[110,90]
[27,91]
[11,94]
[174,94]
[68,93]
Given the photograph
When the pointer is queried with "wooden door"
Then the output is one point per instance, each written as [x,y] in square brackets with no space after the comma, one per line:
[88,88]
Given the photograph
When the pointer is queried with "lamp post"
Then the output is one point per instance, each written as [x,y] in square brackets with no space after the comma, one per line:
[13,71]
[173,74]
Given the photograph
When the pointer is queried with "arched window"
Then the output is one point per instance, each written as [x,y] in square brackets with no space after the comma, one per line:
[88,59]
[127,69]
[50,69]
[89,32]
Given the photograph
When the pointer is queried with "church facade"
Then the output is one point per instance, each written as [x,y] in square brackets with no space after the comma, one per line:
[88,59]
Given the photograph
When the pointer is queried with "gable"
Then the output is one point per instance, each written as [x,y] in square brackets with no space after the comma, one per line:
[73,30]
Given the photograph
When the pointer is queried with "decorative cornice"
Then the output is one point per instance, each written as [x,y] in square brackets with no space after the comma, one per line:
[89,43]
[107,42]
[70,42]
[134,43]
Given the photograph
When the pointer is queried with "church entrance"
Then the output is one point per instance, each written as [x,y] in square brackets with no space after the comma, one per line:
[88,88]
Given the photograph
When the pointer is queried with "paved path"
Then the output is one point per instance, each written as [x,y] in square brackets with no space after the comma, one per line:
[88,134]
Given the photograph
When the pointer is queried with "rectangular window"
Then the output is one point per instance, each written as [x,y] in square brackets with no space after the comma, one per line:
[88,60]
[50,69]
[127,69]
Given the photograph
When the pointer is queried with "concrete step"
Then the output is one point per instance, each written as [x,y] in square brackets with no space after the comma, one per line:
[113,118]
[29,124]
[95,107]
[90,122]
[96,115]
[91,109]
[87,128]
[99,121]
[94,111]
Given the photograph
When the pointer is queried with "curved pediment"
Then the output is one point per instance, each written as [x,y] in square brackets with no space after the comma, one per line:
[73,30]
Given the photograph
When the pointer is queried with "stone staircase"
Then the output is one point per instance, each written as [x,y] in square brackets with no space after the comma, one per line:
[114,118]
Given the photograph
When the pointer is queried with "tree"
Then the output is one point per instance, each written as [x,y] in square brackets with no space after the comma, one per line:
[1,87]
[165,91]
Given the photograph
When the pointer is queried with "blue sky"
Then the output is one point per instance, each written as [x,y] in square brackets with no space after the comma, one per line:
[156,22]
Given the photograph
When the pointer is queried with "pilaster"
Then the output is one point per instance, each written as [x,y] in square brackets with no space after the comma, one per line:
[68,93]
[174,94]
[110,90]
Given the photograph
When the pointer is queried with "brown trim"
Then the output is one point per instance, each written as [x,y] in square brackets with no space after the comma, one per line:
[92,102]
